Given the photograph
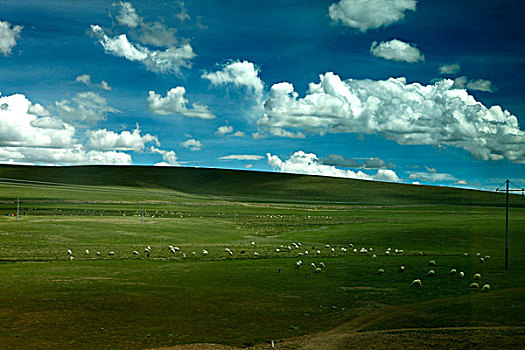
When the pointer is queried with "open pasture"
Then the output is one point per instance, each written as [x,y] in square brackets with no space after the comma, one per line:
[135,301]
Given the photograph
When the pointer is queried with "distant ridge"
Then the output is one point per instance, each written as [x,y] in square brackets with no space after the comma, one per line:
[256,185]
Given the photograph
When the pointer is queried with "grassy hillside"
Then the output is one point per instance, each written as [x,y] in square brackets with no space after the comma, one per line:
[253,185]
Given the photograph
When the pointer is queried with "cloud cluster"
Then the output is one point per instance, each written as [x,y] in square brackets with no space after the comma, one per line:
[240,74]
[370,163]
[308,163]
[8,37]
[176,103]
[432,177]
[127,15]
[409,114]
[192,145]
[169,157]
[370,14]
[475,85]
[396,50]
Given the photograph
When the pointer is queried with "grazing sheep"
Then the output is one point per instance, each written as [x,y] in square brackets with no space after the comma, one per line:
[478,254]
[306,252]
[474,285]
[461,274]
[351,245]
[318,252]
[465,254]
[313,265]
[487,257]
[327,246]
[71,258]
[135,252]
[355,250]
[317,270]
[146,250]
[277,250]
[69,252]
[184,255]
[380,271]
[322,265]
[343,249]
[395,251]
[431,263]
[255,253]
[387,252]
[333,250]
[204,252]
[98,253]
[431,273]
[111,253]
[481,260]
[301,254]
[485,288]
[193,253]
[401,268]
[253,243]
[298,264]
[453,271]
[87,251]
[231,253]
[363,251]
[421,254]
[416,283]
[400,251]
[374,256]
[177,249]
[477,276]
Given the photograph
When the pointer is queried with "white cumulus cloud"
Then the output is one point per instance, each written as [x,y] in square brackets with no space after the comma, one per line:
[452,68]
[176,103]
[192,145]
[241,157]
[240,74]
[8,36]
[106,140]
[370,14]
[127,15]
[170,60]
[169,158]
[409,114]
[308,163]
[228,130]
[474,85]
[85,108]
[86,80]
[397,50]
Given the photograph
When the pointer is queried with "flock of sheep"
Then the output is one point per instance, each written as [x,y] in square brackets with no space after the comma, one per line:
[318,268]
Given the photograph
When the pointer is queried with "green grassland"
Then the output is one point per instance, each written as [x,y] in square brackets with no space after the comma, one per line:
[48,301]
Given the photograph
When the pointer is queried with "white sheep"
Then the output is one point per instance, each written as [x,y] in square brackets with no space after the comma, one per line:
[327,246]
[231,253]
[333,250]
[318,251]
[69,252]
[401,268]
[253,243]
[184,255]
[255,253]
[87,251]
[478,254]
[380,271]
[111,253]
[481,260]
[301,254]
[317,270]
[477,276]
[431,273]
[400,251]
[193,253]
[313,265]
[387,252]
[416,283]
[298,264]
[465,254]
[306,252]
[177,249]
[374,256]
[461,274]
[204,252]
[474,285]
[421,254]
[71,258]
[135,252]
[485,288]
[98,253]
[431,263]
[351,245]
[453,271]
[355,250]
[277,250]
[322,265]
[487,257]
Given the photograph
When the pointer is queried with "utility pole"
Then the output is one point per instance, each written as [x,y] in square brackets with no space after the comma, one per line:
[507,190]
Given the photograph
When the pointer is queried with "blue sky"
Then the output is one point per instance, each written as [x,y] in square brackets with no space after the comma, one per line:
[408,91]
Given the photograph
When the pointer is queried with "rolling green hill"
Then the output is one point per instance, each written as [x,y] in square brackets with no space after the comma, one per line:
[256,186]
